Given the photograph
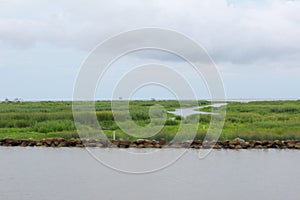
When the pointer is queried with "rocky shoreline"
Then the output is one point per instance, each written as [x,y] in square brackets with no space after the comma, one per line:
[144,143]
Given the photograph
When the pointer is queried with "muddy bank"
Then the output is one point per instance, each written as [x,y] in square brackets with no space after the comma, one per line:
[143,143]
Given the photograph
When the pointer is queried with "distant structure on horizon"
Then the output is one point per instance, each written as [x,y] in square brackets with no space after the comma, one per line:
[16,100]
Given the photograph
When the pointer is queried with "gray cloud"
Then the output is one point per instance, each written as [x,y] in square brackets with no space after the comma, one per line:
[232,33]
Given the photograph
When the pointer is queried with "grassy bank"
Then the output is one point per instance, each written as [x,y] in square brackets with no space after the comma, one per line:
[251,121]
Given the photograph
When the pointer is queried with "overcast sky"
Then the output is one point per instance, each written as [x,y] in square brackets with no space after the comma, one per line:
[255,44]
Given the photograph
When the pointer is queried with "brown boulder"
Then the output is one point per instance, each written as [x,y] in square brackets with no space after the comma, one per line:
[24,144]
[124,143]
[207,145]
[105,143]
[10,142]
[147,142]
[62,144]
[162,141]
[245,145]
[197,142]
[290,145]
[154,142]
[217,146]
[48,141]
[238,141]
[31,142]
[139,141]
[81,145]
[72,142]
[257,143]
[148,146]
[133,145]
[38,144]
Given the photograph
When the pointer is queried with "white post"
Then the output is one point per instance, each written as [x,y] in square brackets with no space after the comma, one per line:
[114,135]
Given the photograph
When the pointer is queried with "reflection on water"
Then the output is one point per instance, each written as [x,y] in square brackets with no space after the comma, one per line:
[184,112]
[71,173]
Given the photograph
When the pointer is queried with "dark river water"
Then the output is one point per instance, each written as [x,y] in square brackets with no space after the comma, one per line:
[72,174]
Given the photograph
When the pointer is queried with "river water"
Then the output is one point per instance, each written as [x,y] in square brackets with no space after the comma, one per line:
[184,112]
[71,173]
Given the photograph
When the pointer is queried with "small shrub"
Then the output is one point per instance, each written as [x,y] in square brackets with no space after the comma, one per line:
[171,123]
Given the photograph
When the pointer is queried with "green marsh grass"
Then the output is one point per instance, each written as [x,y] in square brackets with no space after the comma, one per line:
[254,120]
